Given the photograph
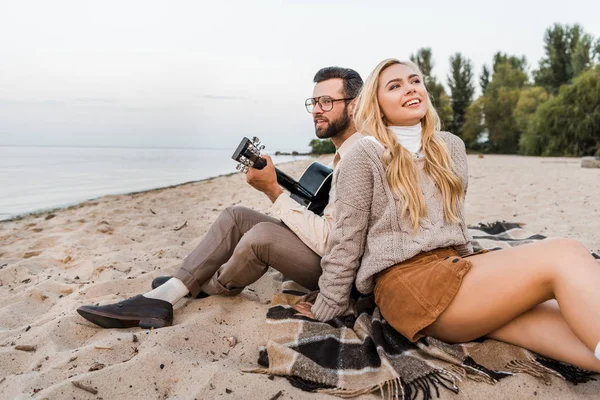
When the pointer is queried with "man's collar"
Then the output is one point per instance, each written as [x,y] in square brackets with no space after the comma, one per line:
[348,144]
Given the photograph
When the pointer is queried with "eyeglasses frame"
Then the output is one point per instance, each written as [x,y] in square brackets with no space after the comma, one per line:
[317,101]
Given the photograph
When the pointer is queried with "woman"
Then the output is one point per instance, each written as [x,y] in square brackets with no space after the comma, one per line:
[400,232]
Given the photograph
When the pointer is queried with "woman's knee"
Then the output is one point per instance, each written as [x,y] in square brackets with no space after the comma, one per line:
[571,246]
[564,258]
[564,251]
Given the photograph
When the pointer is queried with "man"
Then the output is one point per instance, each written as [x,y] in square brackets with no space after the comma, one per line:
[239,247]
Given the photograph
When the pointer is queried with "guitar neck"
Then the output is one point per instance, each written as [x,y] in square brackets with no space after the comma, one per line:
[292,186]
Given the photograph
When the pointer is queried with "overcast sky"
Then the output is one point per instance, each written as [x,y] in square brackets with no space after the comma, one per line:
[205,73]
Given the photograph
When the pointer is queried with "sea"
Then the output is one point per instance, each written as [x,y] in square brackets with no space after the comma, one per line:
[34,179]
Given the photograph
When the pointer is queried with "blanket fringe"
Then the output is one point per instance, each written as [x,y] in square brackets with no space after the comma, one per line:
[569,372]
[392,389]
[399,389]
[543,367]
[395,388]
[427,384]
[480,377]
[264,371]
[479,373]
[456,371]
[447,378]
[346,393]
[533,368]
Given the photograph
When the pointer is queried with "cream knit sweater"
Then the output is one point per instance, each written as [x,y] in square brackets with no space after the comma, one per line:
[369,235]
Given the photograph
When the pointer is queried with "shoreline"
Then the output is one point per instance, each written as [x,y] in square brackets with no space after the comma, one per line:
[78,204]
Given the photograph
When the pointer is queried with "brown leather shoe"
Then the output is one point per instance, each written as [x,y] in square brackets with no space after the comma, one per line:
[135,311]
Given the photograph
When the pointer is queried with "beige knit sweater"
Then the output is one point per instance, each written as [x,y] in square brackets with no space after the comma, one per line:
[369,235]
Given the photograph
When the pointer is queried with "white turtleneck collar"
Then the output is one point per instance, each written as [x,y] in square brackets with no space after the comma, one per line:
[409,137]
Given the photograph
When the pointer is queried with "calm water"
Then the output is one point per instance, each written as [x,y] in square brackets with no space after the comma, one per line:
[38,178]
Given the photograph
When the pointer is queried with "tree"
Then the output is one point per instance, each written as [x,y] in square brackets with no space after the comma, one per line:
[501,98]
[569,124]
[438,95]
[569,52]
[462,89]
[583,55]
[484,79]
[517,63]
[503,130]
[529,100]
[444,109]
[324,146]
[424,60]
[474,123]
[509,71]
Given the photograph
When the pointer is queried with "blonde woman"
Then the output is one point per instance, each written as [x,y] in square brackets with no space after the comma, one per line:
[400,232]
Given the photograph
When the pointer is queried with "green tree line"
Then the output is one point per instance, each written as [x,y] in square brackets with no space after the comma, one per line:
[320,146]
[551,111]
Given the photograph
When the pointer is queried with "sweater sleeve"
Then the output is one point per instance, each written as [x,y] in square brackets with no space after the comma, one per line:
[458,153]
[354,193]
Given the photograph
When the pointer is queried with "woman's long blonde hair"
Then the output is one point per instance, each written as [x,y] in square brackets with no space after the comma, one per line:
[401,173]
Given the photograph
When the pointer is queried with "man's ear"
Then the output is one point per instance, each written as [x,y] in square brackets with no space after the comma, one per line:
[351,108]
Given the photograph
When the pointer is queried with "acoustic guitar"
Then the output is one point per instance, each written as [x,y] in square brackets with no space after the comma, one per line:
[311,191]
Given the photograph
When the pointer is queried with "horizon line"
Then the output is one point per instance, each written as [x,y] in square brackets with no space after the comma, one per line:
[129,147]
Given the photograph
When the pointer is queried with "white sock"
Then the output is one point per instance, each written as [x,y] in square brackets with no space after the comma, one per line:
[597,351]
[172,291]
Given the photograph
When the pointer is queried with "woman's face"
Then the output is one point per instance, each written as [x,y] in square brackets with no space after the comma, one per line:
[402,96]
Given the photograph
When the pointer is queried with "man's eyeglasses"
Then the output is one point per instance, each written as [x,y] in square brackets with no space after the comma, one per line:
[325,102]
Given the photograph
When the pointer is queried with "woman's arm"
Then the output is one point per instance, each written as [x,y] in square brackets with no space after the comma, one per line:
[354,193]
[347,241]
[458,154]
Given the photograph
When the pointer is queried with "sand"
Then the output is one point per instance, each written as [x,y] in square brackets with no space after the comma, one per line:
[111,248]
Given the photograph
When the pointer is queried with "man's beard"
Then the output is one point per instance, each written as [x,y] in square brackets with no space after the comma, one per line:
[334,128]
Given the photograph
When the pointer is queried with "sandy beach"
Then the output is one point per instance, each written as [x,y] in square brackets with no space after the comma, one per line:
[111,248]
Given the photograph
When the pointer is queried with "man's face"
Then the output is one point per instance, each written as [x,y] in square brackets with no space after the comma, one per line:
[335,121]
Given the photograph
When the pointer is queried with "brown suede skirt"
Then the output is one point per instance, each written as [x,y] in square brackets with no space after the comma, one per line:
[411,295]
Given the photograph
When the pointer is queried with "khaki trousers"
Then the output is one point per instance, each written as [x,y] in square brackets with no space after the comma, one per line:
[239,248]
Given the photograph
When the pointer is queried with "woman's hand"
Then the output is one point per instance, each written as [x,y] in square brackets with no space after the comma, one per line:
[304,309]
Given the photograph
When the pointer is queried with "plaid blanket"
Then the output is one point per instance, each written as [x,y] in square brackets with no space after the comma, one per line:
[360,353]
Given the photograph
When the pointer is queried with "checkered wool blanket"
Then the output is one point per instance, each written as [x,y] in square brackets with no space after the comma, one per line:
[361,353]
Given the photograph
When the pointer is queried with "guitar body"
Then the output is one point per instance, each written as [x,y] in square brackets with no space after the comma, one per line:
[317,180]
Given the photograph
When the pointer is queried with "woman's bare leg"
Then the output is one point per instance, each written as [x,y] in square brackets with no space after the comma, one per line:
[544,330]
[504,284]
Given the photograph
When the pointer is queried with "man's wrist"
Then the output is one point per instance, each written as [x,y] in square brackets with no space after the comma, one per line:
[274,193]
